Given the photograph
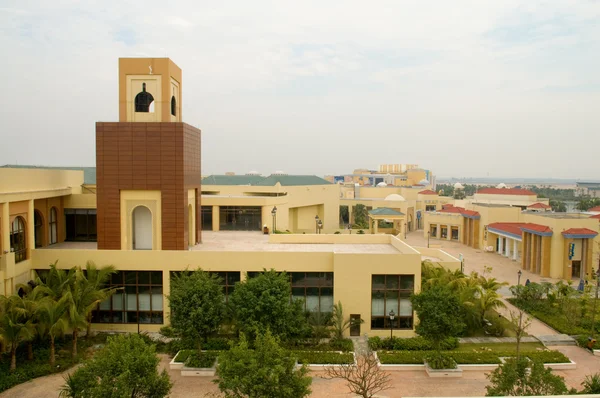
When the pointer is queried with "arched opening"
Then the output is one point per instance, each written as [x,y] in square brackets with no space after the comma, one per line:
[39,228]
[142,228]
[191,234]
[173,106]
[18,241]
[144,101]
[53,227]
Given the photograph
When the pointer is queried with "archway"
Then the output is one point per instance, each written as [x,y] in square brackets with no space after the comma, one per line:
[142,228]
[39,228]
[191,224]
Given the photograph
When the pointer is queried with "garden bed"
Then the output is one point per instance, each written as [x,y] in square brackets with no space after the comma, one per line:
[192,364]
[316,360]
[344,345]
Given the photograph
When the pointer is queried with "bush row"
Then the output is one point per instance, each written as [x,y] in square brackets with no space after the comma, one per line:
[467,358]
[323,358]
[201,360]
[410,344]
[345,345]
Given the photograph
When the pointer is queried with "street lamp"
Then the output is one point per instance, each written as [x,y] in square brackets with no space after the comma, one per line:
[519,280]
[274,214]
[320,225]
[404,231]
[428,235]
[316,224]
[392,315]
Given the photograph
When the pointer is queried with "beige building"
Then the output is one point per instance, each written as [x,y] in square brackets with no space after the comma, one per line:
[145,216]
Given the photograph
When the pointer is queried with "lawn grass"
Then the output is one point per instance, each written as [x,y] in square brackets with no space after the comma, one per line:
[498,347]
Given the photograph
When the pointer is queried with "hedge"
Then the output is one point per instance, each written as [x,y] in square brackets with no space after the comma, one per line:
[201,360]
[345,345]
[467,358]
[410,344]
[323,358]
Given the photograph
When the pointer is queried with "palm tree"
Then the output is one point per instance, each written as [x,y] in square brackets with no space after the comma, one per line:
[489,300]
[15,326]
[31,298]
[53,315]
[95,280]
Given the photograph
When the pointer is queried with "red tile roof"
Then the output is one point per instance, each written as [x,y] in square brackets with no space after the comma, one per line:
[459,210]
[580,231]
[509,227]
[594,209]
[505,191]
[428,192]
[596,216]
[537,227]
[470,213]
[539,206]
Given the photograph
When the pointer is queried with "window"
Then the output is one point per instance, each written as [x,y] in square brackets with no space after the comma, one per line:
[454,235]
[139,299]
[429,207]
[433,230]
[173,106]
[39,228]
[392,293]
[53,227]
[143,100]
[242,218]
[18,242]
[206,216]
[228,280]
[81,225]
[444,232]
[315,288]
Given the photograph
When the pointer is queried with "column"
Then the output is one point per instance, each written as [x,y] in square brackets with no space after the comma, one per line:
[350,215]
[449,232]
[438,231]
[515,249]
[500,244]
[525,251]
[166,281]
[30,228]
[507,248]
[215,218]
[5,230]
[376,226]
[545,260]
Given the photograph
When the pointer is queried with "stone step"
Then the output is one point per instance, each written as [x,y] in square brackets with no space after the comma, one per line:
[556,340]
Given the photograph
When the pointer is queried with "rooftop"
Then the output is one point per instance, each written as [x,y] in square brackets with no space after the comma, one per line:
[89,173]
[236,241]
[505,191]
[572,216]
[255,180]
[428,192]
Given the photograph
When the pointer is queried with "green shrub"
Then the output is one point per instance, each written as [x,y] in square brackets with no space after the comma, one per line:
[360,232]
[410,344]
[342,345]
[183,355]
[467,358]
[440,361]
[323,358]
[333,345]
[337,232]
[217,344]
[206,359]
[168,331]
[582,341]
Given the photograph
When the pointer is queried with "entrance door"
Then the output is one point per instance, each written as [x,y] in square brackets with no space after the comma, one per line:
[576,269]
[355,325]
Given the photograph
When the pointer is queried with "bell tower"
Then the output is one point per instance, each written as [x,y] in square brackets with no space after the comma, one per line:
[149,90]
[148,164]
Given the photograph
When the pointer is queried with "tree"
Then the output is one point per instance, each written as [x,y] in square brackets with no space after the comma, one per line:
[126,367]
[263,302]
[52,314]
[519,326]
[558,206]
[340,325]
[522,377]
[95,279]
[15,326]
[591,384]
[320,324]
[267,371]
[197,305]
[364,379]
[360,216]
[440,314]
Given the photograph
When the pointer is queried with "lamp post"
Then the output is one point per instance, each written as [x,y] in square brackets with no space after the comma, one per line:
[595,302]
[320,226]
[274,214]
[519,280]
[392,315]
[404,231]
[316,224]
[428,235]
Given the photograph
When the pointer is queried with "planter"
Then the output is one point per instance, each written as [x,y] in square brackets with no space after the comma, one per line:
[445,373]
[597,353]
[175,365]
[185,371]
[322,366]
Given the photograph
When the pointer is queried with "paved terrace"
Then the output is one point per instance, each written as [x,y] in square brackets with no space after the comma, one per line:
[256,241]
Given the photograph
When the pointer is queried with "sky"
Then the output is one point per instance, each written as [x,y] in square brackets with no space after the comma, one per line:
[463,88]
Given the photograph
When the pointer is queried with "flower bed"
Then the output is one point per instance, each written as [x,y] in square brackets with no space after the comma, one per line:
[467,358]
[323,358]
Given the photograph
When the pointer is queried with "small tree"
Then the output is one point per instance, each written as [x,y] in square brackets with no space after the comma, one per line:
[519,326]
[320,324]
[267,371]
[522,377]
[126,367]
[440,315]
[197,305]
[364,379]
[15,326]
[340,325]
[52,314]
[263,302]
[591,384]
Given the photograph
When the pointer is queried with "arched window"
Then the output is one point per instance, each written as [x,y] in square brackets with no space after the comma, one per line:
[53,227]
[143,100]
[173,106]
[18,241]
[39,228]
[142,228]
